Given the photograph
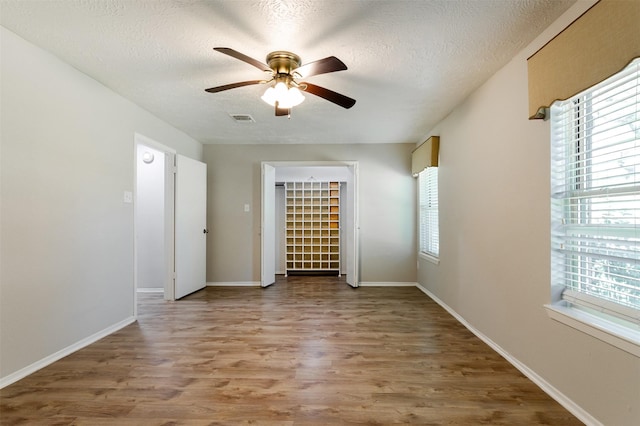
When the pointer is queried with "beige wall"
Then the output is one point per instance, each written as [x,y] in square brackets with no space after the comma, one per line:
[66,236]
[495,247]
[387,207]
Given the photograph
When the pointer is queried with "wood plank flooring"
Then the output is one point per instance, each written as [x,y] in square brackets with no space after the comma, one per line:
[305,351]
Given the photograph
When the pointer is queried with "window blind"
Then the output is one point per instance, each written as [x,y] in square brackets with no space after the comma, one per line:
[428,202]
[595,196]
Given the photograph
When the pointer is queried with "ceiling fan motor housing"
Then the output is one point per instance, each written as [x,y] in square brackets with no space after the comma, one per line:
[283,62]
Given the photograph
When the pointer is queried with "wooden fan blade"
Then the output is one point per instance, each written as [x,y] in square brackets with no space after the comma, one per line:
[243,58]
[232,86]
[330,95]
[322,66]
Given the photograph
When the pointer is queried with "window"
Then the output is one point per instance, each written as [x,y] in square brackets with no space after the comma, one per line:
[429,241]
[595,200]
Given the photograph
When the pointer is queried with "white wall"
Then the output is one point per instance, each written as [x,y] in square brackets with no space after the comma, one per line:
[495,246]
[66,235]
[150,221]
[387,207]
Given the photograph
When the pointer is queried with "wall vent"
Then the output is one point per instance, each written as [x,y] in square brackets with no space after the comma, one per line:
[242,118]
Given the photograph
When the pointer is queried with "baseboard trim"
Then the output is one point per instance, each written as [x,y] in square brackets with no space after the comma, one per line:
[361,284]
[549,389]
[386,284]
[150,290]
[30,369]
[234,284]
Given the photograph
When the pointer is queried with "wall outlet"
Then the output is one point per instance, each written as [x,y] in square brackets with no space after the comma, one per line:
[128,197]
[247,208]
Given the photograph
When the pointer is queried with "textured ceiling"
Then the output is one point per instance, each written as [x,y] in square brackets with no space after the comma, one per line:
[410,62]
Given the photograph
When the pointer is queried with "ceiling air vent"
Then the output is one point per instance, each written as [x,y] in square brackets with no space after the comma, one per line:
[242,118]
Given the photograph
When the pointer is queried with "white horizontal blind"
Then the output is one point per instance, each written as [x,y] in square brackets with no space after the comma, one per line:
[595,196]
[428,202]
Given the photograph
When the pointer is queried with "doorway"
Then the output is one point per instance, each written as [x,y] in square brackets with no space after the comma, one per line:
[280,171]
[150,218]
[169,221]
[154,217]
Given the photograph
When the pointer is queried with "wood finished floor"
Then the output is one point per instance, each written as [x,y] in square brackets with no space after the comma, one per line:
[305,351]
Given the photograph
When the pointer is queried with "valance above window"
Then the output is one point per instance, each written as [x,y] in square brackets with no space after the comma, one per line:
[601,42]
[426,155]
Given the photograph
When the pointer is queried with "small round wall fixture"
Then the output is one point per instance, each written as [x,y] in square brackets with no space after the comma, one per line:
[147,157]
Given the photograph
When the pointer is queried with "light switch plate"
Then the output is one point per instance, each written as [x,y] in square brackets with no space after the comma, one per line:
[247,208]
[128,197]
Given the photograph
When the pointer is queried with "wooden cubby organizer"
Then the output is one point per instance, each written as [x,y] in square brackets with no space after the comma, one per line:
[313,226]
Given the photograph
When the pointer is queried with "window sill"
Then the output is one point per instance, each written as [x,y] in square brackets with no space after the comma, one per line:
[617,335]
[429,258]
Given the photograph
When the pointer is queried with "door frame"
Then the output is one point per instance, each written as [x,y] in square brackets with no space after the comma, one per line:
[169,199]
[353,168]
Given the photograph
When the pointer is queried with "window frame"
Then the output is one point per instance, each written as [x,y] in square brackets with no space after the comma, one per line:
[571,304]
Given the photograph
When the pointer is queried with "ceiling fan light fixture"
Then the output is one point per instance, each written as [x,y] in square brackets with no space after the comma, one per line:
[269,96]
[294,96]
[285,97]
[284,68]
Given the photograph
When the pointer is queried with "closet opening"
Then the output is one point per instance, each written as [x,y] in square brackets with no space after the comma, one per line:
[309,220]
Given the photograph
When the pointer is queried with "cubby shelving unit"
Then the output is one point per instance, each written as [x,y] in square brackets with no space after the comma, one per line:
[313,226]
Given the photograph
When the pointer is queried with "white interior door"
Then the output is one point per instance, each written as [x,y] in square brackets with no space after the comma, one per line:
[352,255]
[190,226]
[268,226]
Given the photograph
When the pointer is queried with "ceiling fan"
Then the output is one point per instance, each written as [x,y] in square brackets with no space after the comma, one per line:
[284,71]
